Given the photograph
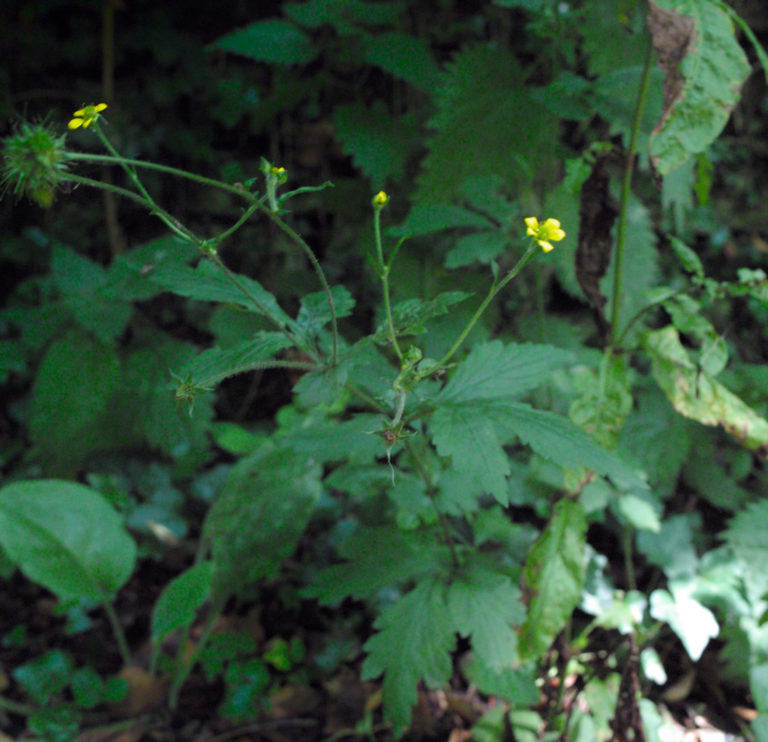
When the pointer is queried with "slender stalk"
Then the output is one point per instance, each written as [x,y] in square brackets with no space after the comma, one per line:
[629,568]
[22,709]
[184,666]
[384,275]
[495,288]
[621,232]
[117,629]
[117,160]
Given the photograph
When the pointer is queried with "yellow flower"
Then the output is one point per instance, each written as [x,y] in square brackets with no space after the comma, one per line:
[380,200]
[545,234]
[277,170]
[86,116]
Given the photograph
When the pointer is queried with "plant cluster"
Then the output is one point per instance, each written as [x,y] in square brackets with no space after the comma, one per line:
[498,486]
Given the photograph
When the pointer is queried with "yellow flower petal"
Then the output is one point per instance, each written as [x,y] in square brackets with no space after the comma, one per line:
[75,124]
[99,107]
[546,246]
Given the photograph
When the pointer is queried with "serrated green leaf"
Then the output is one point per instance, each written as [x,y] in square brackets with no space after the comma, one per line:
[67,538]
[208,283]
[554,574]
[470,440]
[273,41]
[695,394]
[414,641]
[314,311]
[478,246]
[496,370]
[378,142]
[406,57]
[410,315]
[377,558]
[640,267]
[638,512]
[484,83]
[216,364]
[705,69]
[344,15]
[494,643]
[557,439]
[259,516]
[671,548]
[180,600]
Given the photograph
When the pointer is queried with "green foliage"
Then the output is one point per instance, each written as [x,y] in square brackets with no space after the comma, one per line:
[459,477]
[66,537]
[705,68]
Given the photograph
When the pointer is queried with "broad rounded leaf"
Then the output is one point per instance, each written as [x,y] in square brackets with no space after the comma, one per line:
[66,537]
[274,41]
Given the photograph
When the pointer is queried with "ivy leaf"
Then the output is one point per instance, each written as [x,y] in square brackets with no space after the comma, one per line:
[66,537]
[494,370]
[746,537]
[414,641]
[554,576]
[705,68]
[494,643]
[259,516]
[694,624]
[377,558]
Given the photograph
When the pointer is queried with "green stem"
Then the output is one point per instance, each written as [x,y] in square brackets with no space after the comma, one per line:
[629,568]
[625,193]
[495,288]
[117,160]
[122,643]
[384,275]
[184,666]
[22,709]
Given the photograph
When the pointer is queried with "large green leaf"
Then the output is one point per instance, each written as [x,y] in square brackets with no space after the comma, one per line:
[259,516]
[705,68]
[415,639]
[406,57]
[495,370]
[66,537]
[70,397]
[554,575]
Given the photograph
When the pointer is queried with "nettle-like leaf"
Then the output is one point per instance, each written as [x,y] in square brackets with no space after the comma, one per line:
[487,122]
[554,576]
[377,558]
[410,315]
[259,516]
[379,143]
[66,537]
[697,395]
[273,41]
[640,267]
[216,364]
[209,283]
[315,313]
[415,639]
[705,68]
[345,16]
[407,57]
[428,218]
